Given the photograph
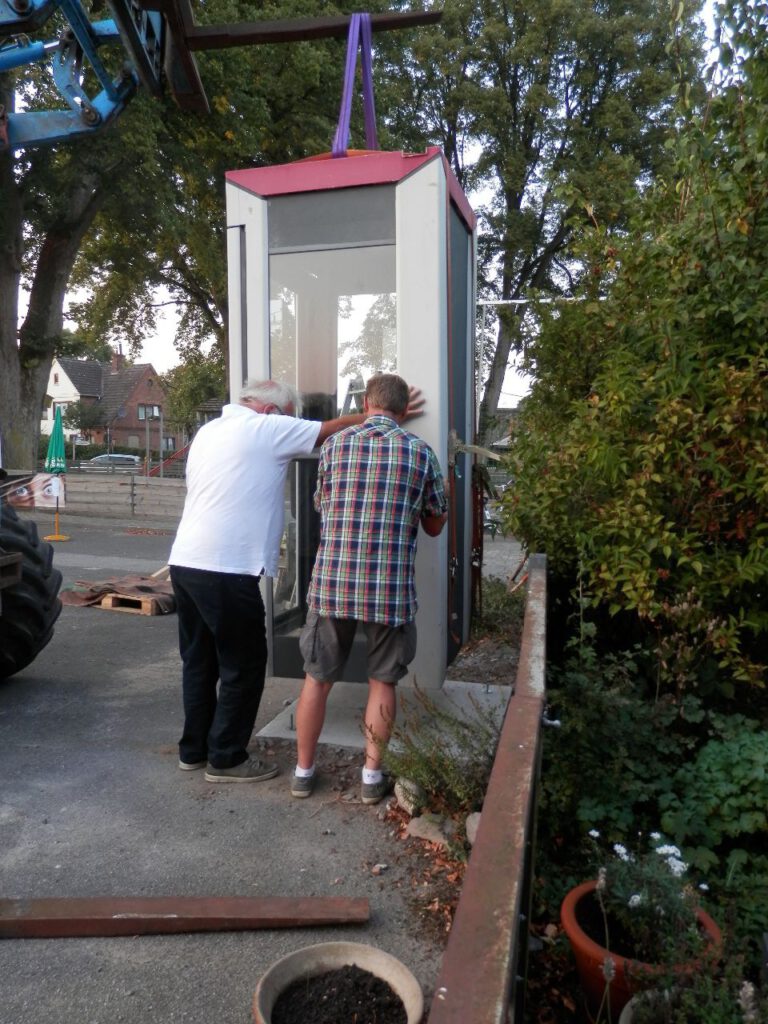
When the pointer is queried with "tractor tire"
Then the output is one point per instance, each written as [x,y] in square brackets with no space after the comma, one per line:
[29,608]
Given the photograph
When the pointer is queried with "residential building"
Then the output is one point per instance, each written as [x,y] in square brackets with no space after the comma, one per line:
[131,400]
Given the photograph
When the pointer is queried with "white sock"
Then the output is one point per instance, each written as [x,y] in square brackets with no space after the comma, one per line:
[372,776]
[304,773]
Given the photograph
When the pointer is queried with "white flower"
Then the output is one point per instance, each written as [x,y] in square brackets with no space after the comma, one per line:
[601,880]
[609,969]
[747,1002]
[667,851]
[620,851]
[635,900]
[704,887]
[655,836]
[594,833]
[676,866]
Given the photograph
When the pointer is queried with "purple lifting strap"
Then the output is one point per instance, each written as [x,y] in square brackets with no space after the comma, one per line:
[359,31]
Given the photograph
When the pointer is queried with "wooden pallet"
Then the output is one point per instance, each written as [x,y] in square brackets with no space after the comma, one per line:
[135,605]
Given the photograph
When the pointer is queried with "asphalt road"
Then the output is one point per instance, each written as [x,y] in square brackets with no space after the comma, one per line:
[93,804]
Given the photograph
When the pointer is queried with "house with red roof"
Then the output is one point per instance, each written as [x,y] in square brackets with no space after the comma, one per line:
[130,398]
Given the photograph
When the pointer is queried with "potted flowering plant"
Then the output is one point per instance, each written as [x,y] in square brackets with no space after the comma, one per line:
[637,918]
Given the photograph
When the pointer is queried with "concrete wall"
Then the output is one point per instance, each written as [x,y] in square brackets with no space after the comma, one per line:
[118,495]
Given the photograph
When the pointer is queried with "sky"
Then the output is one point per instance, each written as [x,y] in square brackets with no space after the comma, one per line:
[160,351]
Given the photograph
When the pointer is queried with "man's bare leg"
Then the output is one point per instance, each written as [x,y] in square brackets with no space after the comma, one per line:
[310,715]
[379,720]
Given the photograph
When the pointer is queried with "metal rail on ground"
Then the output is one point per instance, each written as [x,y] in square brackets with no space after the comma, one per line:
[483,970]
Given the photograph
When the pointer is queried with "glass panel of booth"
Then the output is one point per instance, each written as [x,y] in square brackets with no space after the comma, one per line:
[332,323]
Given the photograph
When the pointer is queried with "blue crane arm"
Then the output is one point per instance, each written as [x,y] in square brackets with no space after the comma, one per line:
[159,43]
[138,31]
[24,16]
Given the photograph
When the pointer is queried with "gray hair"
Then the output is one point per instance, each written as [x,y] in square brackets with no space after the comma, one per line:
[273,392]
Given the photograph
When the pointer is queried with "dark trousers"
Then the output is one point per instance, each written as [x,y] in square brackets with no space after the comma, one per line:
[222,639]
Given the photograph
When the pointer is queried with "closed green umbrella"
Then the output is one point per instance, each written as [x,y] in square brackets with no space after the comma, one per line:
[56,462]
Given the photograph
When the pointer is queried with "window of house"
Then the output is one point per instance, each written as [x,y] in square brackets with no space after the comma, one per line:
[55,378]
[151,412]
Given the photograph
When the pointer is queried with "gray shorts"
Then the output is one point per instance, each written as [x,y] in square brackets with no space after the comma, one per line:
[326,643]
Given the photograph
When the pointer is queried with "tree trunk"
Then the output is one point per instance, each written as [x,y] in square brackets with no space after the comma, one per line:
[26,354]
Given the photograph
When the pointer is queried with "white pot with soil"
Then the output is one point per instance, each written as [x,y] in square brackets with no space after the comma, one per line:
[297,988]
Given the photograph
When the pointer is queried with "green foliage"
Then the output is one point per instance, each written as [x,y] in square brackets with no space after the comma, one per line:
[77,347]
[716,810]
[83,451]
[198,379]
[647,472]
[613,756]
[706,996]
[449,753]
[721,795]
[84,416]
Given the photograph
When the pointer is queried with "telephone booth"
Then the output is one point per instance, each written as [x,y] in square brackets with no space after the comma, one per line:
[338,268]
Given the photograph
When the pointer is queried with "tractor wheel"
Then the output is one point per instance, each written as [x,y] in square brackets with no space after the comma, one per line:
[29,608]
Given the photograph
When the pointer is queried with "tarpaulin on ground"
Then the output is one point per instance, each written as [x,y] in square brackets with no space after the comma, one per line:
[89,592]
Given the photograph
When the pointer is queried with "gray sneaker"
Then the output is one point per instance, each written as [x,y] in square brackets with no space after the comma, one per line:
[374,792]
[191,766]
[251,770]
[303,787]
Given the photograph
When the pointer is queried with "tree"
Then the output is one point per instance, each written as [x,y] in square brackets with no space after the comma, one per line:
[531,101]
[84,416]
[198,379]
[77,347]
[649,479]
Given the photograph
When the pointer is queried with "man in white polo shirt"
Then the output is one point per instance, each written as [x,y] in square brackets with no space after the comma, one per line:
[228,537]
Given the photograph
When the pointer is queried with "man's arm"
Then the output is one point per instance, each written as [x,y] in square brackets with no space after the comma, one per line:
[328,427]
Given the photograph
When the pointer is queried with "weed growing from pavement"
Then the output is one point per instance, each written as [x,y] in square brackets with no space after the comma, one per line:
[502,612]
[448,753]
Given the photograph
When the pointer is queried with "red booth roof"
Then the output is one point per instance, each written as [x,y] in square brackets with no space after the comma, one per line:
[357,168]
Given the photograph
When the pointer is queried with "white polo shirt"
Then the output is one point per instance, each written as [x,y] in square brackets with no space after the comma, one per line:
[235,505]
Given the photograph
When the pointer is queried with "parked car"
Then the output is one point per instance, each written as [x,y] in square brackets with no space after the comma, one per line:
[113,464]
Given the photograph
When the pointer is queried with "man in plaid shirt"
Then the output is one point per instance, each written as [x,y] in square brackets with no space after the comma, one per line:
[376,484]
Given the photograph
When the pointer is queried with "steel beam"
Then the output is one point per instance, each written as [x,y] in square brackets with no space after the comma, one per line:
[218,37]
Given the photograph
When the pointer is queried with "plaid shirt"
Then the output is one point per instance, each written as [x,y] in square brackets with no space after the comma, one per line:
[375,482]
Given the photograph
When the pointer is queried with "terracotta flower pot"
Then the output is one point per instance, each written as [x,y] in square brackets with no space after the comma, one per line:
[629,975]
[312,961]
